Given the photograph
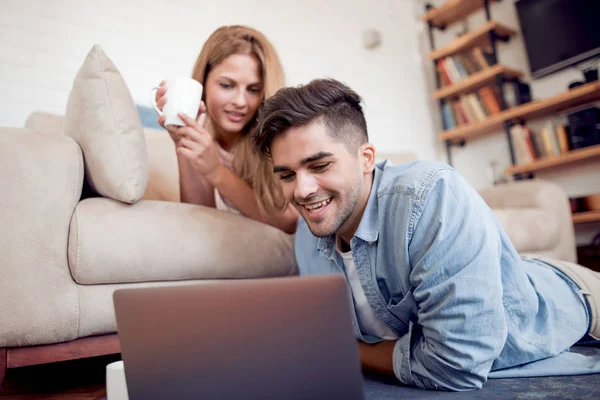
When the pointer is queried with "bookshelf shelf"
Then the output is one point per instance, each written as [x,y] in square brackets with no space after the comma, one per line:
[581,95]
[475,81]
[549,162]
[587,216]
[451,12]
[471,93]
[478,37]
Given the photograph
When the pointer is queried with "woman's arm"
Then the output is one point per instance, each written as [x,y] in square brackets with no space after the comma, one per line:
[197,147]
[194,188]
[242,196]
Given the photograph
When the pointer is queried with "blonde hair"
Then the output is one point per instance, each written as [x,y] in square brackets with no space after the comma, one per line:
[236,39]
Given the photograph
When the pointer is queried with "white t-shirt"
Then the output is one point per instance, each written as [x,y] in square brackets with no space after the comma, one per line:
[370,323]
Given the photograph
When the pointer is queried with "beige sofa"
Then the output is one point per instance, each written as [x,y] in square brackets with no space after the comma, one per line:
[62,256]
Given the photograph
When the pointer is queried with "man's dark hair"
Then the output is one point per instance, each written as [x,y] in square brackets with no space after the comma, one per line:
[334,103]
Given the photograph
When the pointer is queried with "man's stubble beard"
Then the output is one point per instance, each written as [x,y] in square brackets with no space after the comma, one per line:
[342,215]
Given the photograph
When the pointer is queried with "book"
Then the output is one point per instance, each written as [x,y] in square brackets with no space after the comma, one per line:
[462,112]
[466,105]
[520,146]
[553,138]
[477,107]
[490,99]
[469,64]
[448,117]
[462,70]
[563,138]
[529,142]
[482,104]
[452,70]
[458,114]
[445,76]
[537,144]
[546,135]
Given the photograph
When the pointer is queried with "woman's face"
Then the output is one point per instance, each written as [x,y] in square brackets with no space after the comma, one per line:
[234,90]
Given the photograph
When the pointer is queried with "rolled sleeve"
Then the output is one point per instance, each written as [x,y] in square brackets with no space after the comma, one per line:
[455,252]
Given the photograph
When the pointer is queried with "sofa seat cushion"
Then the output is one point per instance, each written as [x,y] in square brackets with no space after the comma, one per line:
[112,242]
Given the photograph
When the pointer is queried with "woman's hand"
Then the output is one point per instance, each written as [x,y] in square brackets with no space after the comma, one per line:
[198,146]
[161,100]
[160,97]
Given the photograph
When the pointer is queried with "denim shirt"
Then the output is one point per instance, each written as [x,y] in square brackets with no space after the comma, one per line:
[439,270]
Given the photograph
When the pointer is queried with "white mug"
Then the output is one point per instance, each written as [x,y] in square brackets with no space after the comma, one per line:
[183,96]
[116,385]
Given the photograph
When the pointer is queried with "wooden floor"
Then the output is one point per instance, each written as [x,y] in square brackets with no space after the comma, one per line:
[70,380]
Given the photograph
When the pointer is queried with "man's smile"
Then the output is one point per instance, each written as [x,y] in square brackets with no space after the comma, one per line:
[317,208]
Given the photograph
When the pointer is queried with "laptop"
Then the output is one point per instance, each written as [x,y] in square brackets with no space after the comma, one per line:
[276,338]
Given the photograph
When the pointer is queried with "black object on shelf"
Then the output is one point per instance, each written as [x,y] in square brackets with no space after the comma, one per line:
[584,128]
[575,84]
[518,92]
[591,75]
[589,255]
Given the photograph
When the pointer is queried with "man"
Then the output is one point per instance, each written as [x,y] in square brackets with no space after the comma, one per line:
[440,295]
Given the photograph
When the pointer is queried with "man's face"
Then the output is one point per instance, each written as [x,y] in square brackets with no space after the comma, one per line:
[322,178]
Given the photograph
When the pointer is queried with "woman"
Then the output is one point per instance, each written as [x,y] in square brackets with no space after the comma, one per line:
[238,68]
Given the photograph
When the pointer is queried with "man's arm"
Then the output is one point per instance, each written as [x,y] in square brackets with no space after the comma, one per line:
[455,251]
[377,357]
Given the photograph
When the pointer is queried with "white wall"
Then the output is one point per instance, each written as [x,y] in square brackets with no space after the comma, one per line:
[473,160]
[43,42]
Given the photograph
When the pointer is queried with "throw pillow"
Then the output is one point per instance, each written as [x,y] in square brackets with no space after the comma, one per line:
[102,117]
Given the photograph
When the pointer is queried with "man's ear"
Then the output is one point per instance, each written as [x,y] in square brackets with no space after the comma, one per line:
[366,154]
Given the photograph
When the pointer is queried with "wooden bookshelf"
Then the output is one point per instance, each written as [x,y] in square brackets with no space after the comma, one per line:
[451,12]
[581,95]
[572,156]
[476,38]
[586,216]
[476,80]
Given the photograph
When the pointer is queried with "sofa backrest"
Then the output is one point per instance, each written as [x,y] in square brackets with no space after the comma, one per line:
[163,172]
[536,216]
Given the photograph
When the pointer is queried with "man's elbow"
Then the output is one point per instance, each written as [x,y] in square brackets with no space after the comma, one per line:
[462,376]
[465,381]
[455,379]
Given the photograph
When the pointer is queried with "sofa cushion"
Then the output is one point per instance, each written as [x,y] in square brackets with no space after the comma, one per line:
[47,123]
[551,234]
[102,117]
[163,170]
[531,230]
[111,242]
[97,310]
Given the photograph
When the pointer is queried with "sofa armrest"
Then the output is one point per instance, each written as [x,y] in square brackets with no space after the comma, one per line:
[536,216]
[41,177]
[111,242]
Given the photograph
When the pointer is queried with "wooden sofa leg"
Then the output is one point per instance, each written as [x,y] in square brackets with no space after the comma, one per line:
[2,366]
